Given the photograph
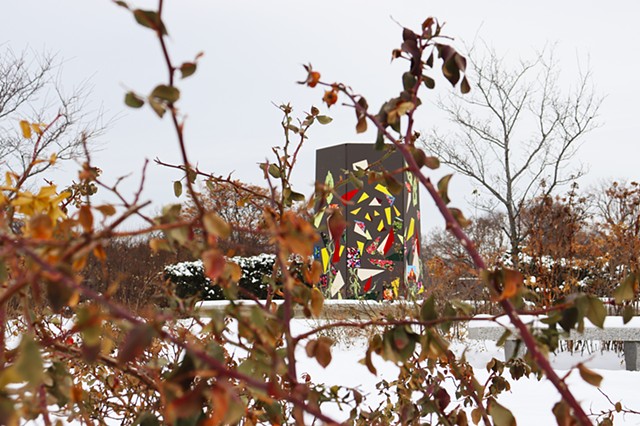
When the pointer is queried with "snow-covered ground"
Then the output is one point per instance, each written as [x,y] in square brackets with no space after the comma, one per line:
[530,400]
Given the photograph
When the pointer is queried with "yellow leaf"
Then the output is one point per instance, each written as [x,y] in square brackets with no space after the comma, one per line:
[26,129]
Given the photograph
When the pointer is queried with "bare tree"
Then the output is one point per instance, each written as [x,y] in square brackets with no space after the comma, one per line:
[38,119]
[516,133]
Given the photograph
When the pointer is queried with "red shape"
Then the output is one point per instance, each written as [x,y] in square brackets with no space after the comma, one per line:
[367,286]
[389,242]
[336,253]
[349,195]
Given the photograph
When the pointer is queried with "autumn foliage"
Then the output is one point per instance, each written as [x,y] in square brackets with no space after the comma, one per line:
[75,347]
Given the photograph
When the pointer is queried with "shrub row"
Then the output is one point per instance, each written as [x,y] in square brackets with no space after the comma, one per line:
[190,281]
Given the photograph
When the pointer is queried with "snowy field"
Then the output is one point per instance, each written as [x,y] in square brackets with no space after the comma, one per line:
[530,400]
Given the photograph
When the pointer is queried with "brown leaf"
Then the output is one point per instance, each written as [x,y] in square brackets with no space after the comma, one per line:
[85,217]
[589,376]
[317,302]
[323,351]
[512,281]
[135,343]
[214,263]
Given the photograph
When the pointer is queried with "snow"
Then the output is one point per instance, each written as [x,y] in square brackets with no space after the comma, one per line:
[530,400]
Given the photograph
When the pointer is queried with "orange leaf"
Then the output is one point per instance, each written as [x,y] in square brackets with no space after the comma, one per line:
[214,263]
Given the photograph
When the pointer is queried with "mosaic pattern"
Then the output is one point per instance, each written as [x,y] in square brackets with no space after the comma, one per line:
[379,253]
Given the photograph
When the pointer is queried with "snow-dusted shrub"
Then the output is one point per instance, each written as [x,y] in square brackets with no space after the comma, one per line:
[190,280]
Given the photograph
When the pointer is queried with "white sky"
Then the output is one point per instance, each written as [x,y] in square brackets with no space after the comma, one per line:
[253,56]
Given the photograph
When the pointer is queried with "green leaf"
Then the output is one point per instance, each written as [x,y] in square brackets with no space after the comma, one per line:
[392,184]
[459,217]
[132,100]
[428,310]
[169,94]
[379,141]
[147,419]
[428,82]
[4,273]
[589,376]
[275,171]
[626,291]
[58,295]
[432,162]
[149,19]
[158,107]
[569,319]
[296,196]
[408,81]
[443,188]
[500,415]
[324,119]
[29,365]
[177,188]
[628,313]
[188,69]
[215,225]
[594,310]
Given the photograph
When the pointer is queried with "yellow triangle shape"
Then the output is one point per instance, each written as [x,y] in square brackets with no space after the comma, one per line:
[380,187]
[395,209]
[356,211]
[360,247]
[381,226]
[368,217]
[376,213]
[387,212]
[363,197]
[412,225]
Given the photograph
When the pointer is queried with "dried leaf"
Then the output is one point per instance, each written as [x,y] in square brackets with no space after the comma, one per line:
[214,263]
[135,343]
[443,188]
[317,302]
[85,217]
[589,376]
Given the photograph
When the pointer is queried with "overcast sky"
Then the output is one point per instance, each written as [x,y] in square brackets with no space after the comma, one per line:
[253,55]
